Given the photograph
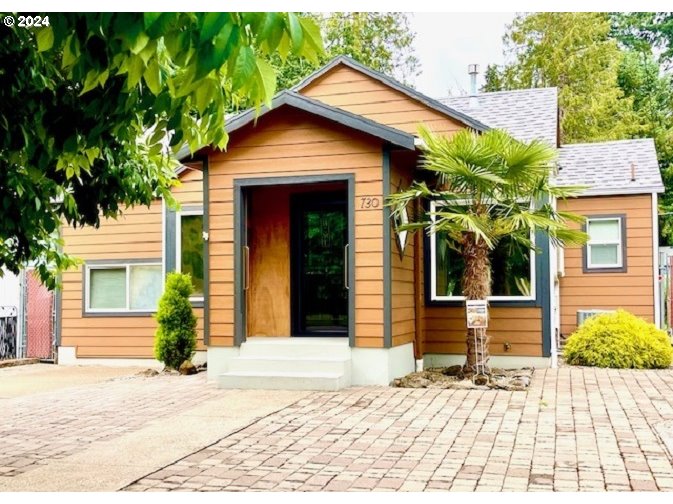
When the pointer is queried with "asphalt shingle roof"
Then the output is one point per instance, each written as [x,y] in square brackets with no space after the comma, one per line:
[606,168]
[526,114]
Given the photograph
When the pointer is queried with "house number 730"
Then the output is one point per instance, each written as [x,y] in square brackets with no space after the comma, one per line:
[367,202]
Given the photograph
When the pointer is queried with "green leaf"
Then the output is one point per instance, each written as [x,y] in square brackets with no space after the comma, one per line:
[266,77]
[296,33]
[45,39]
[136,68]
[90,82]
[204,95]
[149,18]
[70,51]
[140,42]
[313,41]
[245,67]
[213,22]
[152,77]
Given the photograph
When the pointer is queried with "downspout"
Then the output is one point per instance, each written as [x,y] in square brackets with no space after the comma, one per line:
[419,312]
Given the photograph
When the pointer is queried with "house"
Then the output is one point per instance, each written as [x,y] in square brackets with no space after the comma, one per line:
[300,277]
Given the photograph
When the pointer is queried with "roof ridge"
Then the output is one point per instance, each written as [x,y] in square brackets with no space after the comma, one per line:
[510,91]
[603,142]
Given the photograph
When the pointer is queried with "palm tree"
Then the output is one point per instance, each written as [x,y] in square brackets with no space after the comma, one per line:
[487,187]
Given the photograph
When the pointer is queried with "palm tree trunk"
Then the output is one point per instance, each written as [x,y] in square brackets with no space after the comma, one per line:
[476,284]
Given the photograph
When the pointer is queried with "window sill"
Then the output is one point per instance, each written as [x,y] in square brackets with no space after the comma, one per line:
[495,303]
[119,314]
[197,302]
[605,269]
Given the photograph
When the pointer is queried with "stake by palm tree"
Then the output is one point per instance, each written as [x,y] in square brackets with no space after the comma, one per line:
[487,187]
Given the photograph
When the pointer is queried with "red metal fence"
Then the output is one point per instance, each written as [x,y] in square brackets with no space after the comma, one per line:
[39,319]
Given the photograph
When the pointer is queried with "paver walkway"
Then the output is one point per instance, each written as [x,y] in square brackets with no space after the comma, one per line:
[575,429]
[103,436]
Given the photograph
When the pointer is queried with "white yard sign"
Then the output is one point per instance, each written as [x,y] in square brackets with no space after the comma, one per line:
[476,311]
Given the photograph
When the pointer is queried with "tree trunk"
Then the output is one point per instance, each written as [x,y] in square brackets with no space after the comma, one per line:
[476,284]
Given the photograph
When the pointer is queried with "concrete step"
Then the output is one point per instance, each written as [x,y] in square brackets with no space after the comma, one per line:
[276,380]
[290,364]
[309,348]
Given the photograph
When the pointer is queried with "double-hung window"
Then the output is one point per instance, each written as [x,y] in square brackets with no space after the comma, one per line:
[512,273]
[123,287]
[190,246]
[605,248]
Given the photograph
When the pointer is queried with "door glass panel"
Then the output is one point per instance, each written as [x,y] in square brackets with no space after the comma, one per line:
[191,245]
[323,297]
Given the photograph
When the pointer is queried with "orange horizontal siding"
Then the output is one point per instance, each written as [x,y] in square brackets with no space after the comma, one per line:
[632,290]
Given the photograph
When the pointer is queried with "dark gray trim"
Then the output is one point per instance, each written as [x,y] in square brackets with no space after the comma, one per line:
[98,262]
[543,293]
[170,240]
[392,83]
[541,261]
[191,208]
[113,262]
[585,251]
[58,311]
[350,179]
[119,314]
[206,252]
[387,267]
[240,203]
[318,108]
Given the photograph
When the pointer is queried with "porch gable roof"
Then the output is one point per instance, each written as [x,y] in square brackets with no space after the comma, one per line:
[318,108]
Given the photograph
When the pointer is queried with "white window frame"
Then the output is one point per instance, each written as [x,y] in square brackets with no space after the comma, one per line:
[178,243]
[433,269]
[121,265]
[619,243]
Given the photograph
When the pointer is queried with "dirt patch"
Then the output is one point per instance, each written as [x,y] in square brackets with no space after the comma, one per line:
[17,362]
[452,378]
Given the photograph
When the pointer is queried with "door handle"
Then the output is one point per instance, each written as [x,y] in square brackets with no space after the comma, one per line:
[246,252]
[346,266]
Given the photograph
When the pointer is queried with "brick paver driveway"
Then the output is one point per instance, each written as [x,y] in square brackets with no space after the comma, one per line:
[575,429]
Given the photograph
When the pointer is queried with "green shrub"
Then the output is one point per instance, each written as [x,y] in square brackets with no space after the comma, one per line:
[618,340]
[175,339]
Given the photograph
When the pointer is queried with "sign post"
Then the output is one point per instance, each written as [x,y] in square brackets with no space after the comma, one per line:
[476,311]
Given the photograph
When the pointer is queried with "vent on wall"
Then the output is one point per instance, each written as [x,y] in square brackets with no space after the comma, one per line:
[582,315]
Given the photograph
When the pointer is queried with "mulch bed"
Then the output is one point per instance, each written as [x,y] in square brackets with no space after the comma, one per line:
[452,378]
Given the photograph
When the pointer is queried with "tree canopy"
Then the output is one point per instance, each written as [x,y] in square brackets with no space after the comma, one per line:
[574,52]
[613,75]
[94,105]
[380,40]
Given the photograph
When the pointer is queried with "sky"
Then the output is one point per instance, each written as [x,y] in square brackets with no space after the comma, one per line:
[446,43]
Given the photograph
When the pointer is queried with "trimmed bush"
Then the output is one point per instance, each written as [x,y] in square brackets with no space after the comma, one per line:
[175,339]
[618,340]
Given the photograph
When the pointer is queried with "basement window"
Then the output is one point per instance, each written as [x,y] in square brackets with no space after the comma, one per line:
[121,288]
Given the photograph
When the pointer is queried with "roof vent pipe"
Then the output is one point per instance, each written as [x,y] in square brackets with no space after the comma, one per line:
[473,70]
[633,172]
